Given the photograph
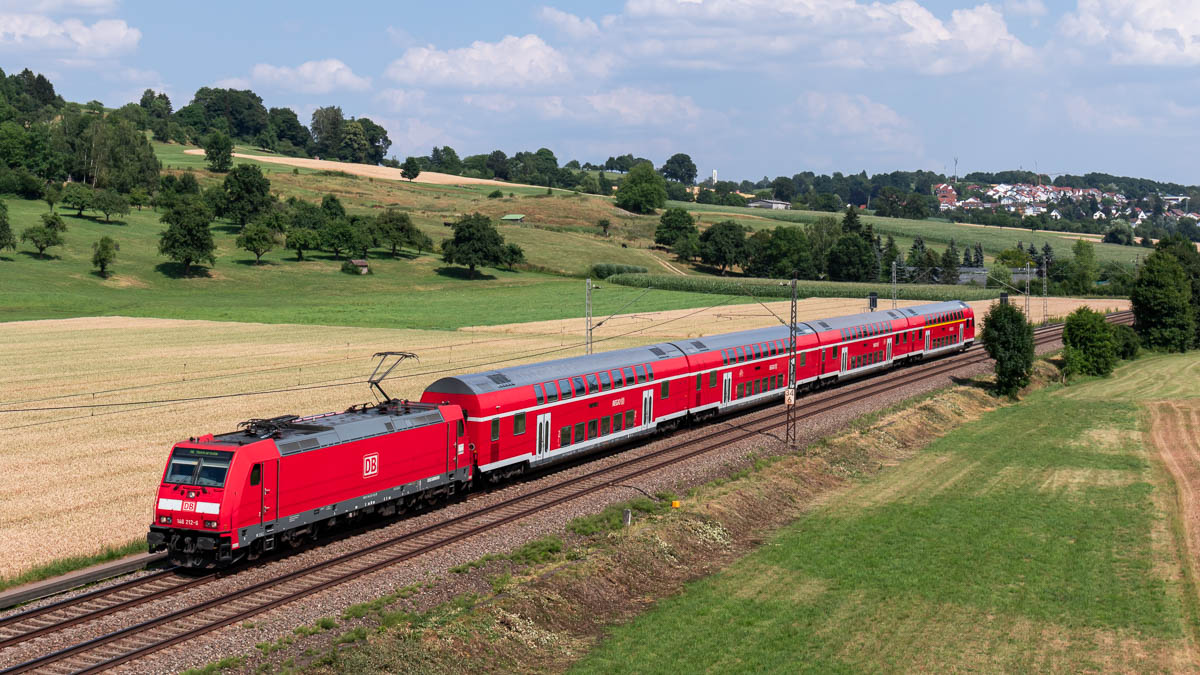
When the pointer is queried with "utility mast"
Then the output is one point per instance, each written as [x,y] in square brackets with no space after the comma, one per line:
[789,396]
[587,311]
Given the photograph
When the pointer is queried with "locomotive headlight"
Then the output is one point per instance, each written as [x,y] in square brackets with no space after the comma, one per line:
[210,524]
[192,494]
[165,520]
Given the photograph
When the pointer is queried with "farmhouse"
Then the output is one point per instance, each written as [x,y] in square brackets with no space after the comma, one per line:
[769,204]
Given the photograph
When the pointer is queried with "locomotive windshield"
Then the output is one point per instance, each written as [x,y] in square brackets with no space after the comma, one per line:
[194,466]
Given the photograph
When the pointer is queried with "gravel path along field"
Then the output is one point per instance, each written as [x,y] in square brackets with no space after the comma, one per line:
[368,170]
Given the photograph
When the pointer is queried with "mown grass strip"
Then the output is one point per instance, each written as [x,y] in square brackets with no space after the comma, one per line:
[71,564]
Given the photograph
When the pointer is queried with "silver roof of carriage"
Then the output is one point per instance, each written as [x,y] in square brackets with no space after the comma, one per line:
[490,381]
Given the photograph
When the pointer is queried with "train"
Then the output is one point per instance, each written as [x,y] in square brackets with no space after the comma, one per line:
[277,482]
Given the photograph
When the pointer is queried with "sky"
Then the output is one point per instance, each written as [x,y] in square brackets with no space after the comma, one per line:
[745,87]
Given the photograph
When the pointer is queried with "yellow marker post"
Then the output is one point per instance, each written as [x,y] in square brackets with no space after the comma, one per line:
[675,504]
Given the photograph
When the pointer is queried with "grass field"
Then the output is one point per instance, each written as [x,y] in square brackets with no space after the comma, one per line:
[935,232]
[1042,537]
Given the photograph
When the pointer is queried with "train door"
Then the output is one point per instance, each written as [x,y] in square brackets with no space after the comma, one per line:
[845,358]
[726,387]
[889,350]
[960,333]
[648,407]
[543,434]
[926,339]
[268,487]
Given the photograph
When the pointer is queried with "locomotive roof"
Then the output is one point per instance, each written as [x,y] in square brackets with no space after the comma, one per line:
[306,433]
[534,373]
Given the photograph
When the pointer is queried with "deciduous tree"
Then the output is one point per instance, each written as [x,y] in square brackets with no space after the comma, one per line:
[673,224]
[851,259]
[1008,339]
[218,151]
[1089,345]
[476,243]
[104,254]
[642,191]
[7,239]
[681,168]
[187,239]
[257,239]
[77,196]
[42,238]
[53,221]
[411,168]
[1162,304]
[247,194]
[52,194]
[722,245]
[110,203]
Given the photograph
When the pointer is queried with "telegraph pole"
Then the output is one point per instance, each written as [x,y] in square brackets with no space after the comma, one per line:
[789,396]
[894,283]
[587,311]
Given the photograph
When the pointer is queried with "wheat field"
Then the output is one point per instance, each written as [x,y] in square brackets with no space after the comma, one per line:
[79,479]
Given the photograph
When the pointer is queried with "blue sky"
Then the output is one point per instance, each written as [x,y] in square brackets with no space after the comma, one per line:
[747,87]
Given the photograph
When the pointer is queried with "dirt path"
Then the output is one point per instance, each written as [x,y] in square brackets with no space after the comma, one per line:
[1175,430]
[673,269]
[367,170]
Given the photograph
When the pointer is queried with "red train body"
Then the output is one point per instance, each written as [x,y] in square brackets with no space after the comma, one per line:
[280,480]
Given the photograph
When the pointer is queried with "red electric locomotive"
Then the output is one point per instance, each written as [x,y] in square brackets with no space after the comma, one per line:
[279,480]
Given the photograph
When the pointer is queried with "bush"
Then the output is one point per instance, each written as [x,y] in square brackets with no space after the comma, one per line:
[1128,342]
[1088,344]
[606,270]
[495,194]
[1008,338]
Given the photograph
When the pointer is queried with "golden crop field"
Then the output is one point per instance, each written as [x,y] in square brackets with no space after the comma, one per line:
[79,479]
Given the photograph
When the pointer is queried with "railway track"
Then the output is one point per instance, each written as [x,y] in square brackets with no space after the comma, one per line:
[146,637]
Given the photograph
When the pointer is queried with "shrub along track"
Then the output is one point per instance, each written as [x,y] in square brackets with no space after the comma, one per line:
[144,638]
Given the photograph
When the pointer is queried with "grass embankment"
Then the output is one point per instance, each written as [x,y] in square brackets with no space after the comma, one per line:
[1038,538]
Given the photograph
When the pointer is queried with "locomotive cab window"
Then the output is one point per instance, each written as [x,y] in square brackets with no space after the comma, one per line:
[496,429]
[256,475]
[194,466]
[518,424]
[460,428]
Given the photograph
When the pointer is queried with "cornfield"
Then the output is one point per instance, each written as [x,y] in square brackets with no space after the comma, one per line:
[779,288]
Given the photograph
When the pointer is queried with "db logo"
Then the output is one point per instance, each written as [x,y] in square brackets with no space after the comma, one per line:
[189,506]
[370,465]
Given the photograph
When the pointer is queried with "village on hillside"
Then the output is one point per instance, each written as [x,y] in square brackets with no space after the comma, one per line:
[1025,199]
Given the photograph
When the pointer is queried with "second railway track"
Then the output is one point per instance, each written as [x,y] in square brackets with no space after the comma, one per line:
[146,637]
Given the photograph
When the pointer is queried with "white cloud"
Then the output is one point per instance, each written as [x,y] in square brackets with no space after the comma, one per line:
[38,32]
[400,99]
[856,117]
[1090,117]
[569,24]
[311,77]
[637,107]
[764,34]
[1143,32]
[512,62]
[52,6]
[1025,7]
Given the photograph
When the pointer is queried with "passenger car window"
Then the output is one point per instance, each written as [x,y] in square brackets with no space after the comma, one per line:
[629,379]
[564,388]
[537,393]
[496,429]
[551,392]
[518,424]
[666,389]
[564,437]
[641,373]
[593,384]
[580,388]
[605,381]
[628,419]
[591,429]
[579,432]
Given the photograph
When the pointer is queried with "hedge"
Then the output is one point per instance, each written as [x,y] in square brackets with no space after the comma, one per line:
[779,288]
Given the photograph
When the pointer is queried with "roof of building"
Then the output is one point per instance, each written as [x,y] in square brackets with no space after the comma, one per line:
[513,216]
